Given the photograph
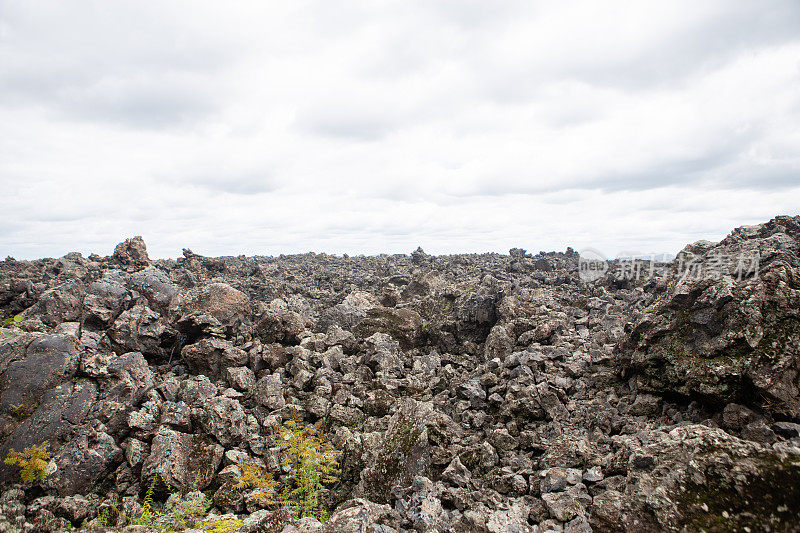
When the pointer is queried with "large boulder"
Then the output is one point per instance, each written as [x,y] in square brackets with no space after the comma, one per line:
[697,478]
[184,462]
[63,303]
[403,454]
[404,325]
[86,459]
[211,309]
[31,364]
[105,300]
[57,415]
[359,515]
[155,285]
[727,325]
[140,329]
[278,323]
[212,356]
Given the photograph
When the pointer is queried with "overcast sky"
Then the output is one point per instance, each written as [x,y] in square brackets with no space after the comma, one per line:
[377,126]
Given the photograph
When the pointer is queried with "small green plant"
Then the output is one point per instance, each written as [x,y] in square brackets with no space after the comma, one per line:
[255,475]
[11,323]
[187,510]
[312,463]
[148,516]
[107,517]
[228,525]
[32,461]
[23,410]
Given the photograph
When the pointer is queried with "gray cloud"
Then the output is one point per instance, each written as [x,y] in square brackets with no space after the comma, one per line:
[377,127]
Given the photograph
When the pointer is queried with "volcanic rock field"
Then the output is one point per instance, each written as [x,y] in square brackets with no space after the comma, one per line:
[462,393]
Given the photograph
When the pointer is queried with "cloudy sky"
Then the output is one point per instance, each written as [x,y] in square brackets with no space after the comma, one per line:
[365,127]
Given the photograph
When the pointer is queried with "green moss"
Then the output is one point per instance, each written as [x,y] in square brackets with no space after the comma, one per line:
[24,410]
[397,448]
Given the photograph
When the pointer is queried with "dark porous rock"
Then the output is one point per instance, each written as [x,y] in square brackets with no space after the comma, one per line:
[706,477]
[132,252]
[404,325]
[105,300]
[213,356]
[156,286]
[207,306]
[733,334]
[460,393]
[183,461]
[86,459]
[31,364]
[359,515]
[402,454]
[140,329]
[60,304]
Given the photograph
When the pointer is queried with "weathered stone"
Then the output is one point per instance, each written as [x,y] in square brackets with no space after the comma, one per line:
[183,461]
[213,356]
[132,252]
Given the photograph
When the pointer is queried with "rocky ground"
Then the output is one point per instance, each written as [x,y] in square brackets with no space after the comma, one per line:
[487,393]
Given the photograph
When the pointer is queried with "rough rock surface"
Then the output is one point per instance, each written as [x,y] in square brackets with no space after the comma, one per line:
[468,393]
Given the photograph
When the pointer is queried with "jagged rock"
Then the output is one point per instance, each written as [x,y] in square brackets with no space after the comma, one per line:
[359,515]
[105,300]
[213,356]
[132,252]
[280,324]
[226,421]
[183,461]
[514,519]
[155,285]
[196,389]
[498,344]
[241,378]
[140,329]
[88,457]
[702,476]
[218,301]
[479,392]
[269,392]
[403,325]
[562,505]
[732,334]
[383,354]
[31,364]
[60,304]
[402,454]
[456,473]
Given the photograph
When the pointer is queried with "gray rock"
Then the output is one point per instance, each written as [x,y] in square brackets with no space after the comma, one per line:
[269,392]
[140,329]
[132,252]
[226,421]
[562,506]
[183,461]
[403,454]
[63,303]
[359,515]
[213,356]
[241,378]
[104,301]
[456,473]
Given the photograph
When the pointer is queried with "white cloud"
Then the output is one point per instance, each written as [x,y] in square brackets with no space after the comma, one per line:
[370,127]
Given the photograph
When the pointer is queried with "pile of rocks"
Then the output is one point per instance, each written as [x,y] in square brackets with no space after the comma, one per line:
[494,393]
